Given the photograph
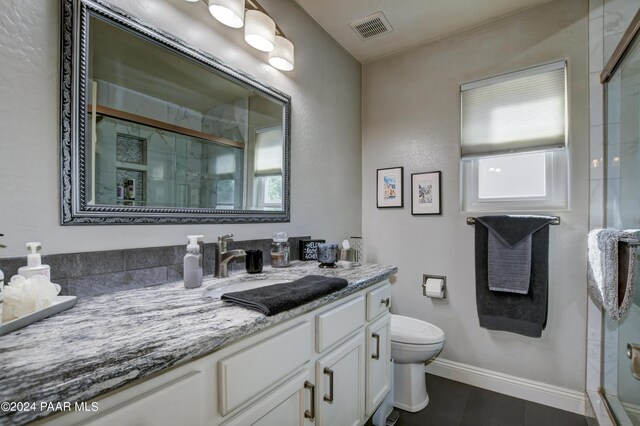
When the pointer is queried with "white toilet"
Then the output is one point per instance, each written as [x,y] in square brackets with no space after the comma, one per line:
[413,342]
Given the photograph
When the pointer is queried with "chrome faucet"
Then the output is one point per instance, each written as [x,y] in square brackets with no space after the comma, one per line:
[223,256]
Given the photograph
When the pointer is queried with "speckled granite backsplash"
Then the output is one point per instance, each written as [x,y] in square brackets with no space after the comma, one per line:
[102,272]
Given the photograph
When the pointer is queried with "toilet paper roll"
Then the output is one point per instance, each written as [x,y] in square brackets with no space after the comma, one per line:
[434,287]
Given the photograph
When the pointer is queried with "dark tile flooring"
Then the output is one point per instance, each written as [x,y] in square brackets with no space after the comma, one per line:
[458,404]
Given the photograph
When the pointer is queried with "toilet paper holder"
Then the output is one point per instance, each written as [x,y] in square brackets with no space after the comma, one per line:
[425,277]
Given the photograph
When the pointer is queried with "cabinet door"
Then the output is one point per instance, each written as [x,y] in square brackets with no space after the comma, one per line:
[378,362]
[291,404]
[340,384]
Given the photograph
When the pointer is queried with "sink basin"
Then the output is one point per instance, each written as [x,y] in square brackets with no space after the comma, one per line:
[217,292]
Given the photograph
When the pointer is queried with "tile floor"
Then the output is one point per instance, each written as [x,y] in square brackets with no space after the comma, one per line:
[458,404]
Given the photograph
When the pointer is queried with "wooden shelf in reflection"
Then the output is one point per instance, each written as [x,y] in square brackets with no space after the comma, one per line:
[138,119]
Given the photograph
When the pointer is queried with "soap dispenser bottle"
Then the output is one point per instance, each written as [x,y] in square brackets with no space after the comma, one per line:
[34,263]
[193,263]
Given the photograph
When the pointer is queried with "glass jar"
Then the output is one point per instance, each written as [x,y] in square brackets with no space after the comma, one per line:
[280,254]
[357,243]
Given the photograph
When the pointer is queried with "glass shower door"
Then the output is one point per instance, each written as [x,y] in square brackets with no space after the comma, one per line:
[621,387]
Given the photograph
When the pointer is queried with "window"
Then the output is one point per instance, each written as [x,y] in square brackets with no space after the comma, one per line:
[513,141]
[268,190]
[267,185]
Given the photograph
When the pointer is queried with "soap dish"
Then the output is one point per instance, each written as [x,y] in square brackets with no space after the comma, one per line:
[59,304]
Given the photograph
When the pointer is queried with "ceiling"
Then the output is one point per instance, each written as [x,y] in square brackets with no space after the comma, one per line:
[414,22]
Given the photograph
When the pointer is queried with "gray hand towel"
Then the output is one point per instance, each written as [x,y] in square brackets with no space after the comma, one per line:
[273,299]
[611,271]
[524,314]
[509,266]
[509,250]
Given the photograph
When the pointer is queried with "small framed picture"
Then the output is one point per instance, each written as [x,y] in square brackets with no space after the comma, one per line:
[425,193]
[389,187]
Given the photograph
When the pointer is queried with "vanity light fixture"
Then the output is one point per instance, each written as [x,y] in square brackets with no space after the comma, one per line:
[259,30]
[282,56]
[228,12]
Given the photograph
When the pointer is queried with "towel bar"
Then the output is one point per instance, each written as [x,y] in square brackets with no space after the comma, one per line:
[555,221]
[631,242]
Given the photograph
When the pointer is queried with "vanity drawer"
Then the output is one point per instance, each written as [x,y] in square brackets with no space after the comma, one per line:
[248,373]
[378,301]
[336,324]
[177,402]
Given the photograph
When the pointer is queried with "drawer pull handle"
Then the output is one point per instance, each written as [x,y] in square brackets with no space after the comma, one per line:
[386,302]
[311,414]
[377,354]
[329,372]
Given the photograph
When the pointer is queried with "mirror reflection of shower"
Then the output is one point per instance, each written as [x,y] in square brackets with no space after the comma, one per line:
[164,131]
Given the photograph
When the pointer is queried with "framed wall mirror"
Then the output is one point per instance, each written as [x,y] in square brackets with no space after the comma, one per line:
[155,131]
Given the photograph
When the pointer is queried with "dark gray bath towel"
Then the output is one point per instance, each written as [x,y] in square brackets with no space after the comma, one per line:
[509,250]
[524,314]
[273,299]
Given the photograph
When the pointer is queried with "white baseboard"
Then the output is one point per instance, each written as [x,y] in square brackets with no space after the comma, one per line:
[530,390]
[632,409]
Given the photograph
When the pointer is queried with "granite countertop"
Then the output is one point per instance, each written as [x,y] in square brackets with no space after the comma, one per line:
[107,341]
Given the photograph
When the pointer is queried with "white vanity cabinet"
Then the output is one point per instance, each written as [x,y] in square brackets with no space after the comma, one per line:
[329,367]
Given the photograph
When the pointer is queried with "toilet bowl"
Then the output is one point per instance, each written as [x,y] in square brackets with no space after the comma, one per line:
[413,343]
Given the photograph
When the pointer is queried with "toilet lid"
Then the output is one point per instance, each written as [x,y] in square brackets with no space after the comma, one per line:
[411,330]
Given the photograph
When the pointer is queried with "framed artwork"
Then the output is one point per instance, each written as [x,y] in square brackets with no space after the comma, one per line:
[425,193]
[389,187]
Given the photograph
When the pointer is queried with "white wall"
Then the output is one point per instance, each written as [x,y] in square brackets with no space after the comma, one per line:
[326,121]
[411,119]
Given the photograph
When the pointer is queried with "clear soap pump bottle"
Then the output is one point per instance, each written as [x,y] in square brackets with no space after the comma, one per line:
[193,263]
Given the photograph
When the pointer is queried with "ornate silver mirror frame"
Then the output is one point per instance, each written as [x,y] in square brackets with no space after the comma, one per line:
[74,207]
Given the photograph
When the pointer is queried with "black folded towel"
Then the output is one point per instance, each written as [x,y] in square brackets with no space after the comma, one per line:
[524,314]
[273,299]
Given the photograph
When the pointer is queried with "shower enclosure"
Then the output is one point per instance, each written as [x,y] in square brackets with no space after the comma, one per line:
[620,387]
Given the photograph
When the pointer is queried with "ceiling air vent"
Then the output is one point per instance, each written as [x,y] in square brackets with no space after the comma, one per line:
[371,26]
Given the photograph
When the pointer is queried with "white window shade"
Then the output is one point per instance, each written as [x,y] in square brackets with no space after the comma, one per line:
[268,153]
[521,111]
